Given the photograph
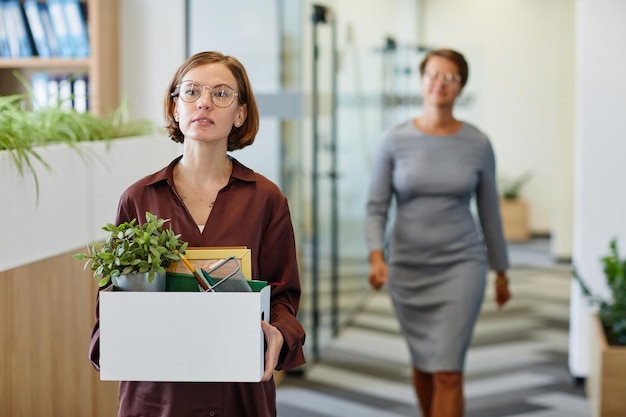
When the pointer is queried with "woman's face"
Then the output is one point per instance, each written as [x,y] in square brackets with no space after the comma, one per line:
[203,120]
[441,82]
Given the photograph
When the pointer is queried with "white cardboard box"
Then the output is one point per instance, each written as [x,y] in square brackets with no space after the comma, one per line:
[182,336]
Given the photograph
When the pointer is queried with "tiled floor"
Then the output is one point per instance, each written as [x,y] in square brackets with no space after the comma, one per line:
[516,367]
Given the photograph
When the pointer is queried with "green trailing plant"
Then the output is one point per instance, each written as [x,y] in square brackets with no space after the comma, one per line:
[612,309]
[16,138]
[511,188]
[23,130]
[132,248]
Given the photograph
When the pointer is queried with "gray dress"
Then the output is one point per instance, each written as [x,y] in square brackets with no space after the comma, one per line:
[437,255]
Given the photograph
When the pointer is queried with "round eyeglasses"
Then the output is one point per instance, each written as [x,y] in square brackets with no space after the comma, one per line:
[191,91]
[446,78]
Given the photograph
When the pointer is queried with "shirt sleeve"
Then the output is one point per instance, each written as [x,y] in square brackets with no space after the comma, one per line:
[488,205]
[278,264]
[94,344]
[379,197]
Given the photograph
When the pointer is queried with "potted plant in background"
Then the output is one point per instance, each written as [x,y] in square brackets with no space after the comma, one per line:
[605,383]
[134,257]
[514,209]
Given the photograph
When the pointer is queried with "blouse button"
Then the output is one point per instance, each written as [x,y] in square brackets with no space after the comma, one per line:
[212,413]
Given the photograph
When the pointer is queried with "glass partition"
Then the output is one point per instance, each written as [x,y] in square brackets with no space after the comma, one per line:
[324,107]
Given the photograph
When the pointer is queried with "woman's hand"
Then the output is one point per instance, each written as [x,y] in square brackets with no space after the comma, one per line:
[503,294]
[274,339]
[378,275]
[378,270]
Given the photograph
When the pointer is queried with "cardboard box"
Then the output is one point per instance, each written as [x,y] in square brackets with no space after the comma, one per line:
[182,336]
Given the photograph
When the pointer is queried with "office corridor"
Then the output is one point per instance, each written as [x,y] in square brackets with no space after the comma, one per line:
[516,366]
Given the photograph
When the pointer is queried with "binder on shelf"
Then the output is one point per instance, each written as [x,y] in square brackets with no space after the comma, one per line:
[65,92]
[17,29]
[13,46]
[39,84]
[37,30]
[46,21]
[77,28]
[56,9]
[80,88]
[4,36]
[53,91]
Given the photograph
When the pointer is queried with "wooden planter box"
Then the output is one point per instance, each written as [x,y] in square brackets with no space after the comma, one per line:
[606,384]
[515,219]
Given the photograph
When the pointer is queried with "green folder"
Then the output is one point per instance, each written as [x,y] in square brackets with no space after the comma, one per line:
[177,282]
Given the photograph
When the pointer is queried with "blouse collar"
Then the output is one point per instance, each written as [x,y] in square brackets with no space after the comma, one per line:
[240,172]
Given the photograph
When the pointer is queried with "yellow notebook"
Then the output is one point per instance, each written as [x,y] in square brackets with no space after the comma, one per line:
[207,257]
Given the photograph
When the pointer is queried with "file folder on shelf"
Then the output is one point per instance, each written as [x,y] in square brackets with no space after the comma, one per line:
[48,27]
[39,84]
[37,30]
[5,51]
[59,25]
[17,29]
[77,29]
[80,93]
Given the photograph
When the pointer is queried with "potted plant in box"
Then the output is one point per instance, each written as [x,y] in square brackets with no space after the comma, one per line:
[605,382]
[134,256]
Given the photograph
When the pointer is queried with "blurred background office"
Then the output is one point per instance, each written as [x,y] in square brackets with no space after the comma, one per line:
[544,85]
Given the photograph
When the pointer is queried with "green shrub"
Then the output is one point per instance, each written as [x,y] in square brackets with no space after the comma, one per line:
[611,310]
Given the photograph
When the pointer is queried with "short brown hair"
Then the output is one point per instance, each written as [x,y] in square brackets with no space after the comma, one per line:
[239,137]
[453,56]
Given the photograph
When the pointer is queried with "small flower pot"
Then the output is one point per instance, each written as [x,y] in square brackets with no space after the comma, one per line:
[139,282]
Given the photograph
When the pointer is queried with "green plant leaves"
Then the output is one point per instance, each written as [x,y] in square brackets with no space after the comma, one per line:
[133,248]
[22,130]
[510,188]
[612,310]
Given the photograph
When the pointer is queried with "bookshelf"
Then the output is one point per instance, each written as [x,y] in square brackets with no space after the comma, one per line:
[102,66]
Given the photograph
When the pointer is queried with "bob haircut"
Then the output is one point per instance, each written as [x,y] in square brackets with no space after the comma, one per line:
[451,55]
[239,137]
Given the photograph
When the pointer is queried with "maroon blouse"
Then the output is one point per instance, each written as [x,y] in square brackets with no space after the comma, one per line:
[249,211]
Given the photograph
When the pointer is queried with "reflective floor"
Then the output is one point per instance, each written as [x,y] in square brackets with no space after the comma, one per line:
[516,367]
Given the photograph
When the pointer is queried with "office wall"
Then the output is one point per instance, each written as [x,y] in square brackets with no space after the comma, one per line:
[521,56]
[254,38]
[152,42]
[600,201]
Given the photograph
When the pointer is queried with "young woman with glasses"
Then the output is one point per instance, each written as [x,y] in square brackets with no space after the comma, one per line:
[212,200]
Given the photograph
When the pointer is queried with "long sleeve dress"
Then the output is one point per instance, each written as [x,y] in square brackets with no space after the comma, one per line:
[437,257]
[249,211]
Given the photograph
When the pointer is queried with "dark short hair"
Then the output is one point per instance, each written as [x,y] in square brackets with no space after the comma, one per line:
[239,137]
[453,56]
